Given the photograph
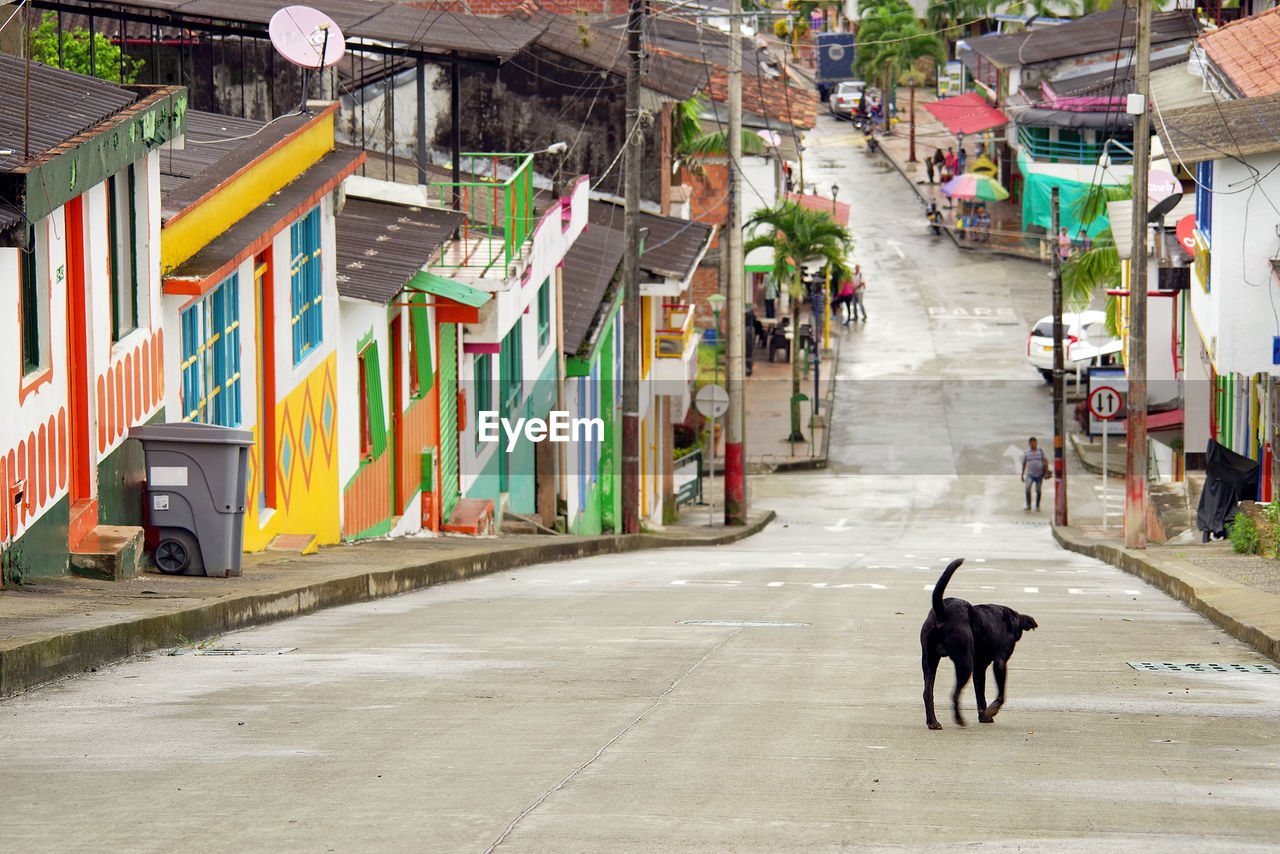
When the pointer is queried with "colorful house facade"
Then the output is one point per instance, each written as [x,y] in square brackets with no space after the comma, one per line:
[79,266]
[508,360]
[388,365]
[248,259]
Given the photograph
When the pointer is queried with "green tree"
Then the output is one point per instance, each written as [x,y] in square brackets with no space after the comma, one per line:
[890,41]
[691,145]
[108,62]
[1099,267]
[797,235]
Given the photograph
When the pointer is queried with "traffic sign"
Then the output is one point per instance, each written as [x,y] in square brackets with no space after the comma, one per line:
[712,401]
[1104,403]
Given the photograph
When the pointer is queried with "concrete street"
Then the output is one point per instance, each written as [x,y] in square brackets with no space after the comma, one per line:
[759,696]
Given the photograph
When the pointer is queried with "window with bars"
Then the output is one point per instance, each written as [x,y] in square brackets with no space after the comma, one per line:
[307,320]
[484,389]
[211,357]
[373,421]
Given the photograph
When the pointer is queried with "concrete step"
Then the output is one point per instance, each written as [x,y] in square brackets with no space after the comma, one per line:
[109,552]
[471,516]
[298,543]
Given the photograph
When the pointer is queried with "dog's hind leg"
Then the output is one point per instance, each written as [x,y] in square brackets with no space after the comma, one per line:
[929,662]
[1000,669]
[980,690]
[964,667]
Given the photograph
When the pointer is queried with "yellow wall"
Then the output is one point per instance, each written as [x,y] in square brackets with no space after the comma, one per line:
[188,233]
[306,465]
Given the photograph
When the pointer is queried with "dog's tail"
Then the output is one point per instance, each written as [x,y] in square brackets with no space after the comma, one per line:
[941,586]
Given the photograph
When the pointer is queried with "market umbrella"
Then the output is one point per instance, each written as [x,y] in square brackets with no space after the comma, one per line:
[971,185]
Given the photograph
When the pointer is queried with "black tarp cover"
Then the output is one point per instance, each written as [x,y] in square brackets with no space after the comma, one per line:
[1228,478]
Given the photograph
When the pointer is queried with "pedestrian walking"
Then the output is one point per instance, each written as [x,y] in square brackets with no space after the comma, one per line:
[859,290]
[1085,242]
[961,158]
[770,297]
[1064,244]
[948,165]
[1034,469]
[844,298]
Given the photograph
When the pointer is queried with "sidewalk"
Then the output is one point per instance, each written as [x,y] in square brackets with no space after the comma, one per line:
[1005,236]
[52,628]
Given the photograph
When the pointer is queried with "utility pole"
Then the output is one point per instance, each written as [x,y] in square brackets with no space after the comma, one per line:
[1135,468]
[735,493]
[1059,383]
[631,342]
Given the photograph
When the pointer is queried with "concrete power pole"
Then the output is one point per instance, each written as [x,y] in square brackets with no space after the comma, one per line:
[1059,384]
[1135,470]
[735,493]
[631,342]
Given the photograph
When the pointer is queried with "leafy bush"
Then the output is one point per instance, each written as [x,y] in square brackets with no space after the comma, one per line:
[108,63]
[1244,535]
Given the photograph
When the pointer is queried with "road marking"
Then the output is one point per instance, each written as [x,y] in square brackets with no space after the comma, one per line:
[775,583]
[896,247]
[838,526]
[1031,590]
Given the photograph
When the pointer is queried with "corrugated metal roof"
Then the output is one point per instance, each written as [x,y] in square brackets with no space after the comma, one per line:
[427,30]
[267,218]
[1105,31]
[63,105]
[672,248]
[589,268]
[381,245]
[1220,129]
[213,153]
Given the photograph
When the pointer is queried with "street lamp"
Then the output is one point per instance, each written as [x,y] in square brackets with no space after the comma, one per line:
[911,156]
[717,301]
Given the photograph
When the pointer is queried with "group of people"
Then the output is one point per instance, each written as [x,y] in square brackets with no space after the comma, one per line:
[950,164]
[850,297]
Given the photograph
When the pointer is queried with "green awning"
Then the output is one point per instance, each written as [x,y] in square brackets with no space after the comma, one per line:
[440,286]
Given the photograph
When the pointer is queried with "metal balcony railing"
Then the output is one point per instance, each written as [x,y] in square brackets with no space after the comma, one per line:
[1036,143]
[673,336]
[498,202]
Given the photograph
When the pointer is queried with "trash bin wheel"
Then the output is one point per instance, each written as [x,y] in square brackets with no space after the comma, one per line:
[174,552]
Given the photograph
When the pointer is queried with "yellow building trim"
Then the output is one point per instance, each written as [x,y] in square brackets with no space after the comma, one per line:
[192,229]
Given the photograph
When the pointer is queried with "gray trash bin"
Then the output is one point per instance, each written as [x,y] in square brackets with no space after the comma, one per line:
[197,477]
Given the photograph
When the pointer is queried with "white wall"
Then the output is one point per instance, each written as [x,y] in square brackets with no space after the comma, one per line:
[1241,313]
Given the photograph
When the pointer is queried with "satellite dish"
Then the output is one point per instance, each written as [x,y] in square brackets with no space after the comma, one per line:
[1162,207]
[306,37]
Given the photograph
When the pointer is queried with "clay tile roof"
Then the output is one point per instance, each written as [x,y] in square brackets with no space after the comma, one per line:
[1245,51]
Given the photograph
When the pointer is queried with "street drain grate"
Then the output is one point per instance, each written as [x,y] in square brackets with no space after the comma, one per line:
[225,651]
[750,624]
[1167,667]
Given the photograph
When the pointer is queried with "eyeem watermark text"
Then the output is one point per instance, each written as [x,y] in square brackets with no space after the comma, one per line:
[559,427]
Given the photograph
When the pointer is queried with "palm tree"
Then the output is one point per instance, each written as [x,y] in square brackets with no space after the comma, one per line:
[890,40]
[797,235]
[691,145]
[1086,271]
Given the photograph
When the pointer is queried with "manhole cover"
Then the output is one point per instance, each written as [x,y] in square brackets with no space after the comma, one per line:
[1167,667]
[224,651]
[750,624]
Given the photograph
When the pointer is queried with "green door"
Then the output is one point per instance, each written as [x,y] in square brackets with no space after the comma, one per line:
[449,489]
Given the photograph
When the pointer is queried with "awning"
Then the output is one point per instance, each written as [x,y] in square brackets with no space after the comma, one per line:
[967,113]
[1158,421]
[455,302]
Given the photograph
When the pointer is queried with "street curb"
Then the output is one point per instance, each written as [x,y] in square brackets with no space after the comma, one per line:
[893,161]
[29,663]
[829,400]
[1247,614]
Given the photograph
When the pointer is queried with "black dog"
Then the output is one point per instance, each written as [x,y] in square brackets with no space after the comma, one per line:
[972,636]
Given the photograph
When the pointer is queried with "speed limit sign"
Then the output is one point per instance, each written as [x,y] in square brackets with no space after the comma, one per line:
[1104,403]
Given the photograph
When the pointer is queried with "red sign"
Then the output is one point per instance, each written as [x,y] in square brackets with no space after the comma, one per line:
[1187,234]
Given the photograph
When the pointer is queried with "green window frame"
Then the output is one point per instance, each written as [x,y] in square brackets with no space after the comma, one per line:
[511,376]
[544,315]
[123,252]
[373,419]
[482,374]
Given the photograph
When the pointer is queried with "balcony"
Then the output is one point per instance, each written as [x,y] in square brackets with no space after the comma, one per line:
[1070,146]
[498,202]
[672,338]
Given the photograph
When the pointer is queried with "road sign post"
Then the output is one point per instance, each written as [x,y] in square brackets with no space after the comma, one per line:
[1104,404]
[711,401]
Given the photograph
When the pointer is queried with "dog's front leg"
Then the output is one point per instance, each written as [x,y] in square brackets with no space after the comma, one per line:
[930,665]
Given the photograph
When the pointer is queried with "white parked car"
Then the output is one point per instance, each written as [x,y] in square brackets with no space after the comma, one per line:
[1085,342]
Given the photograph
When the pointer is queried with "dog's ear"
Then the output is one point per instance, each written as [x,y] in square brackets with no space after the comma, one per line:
[1027,623]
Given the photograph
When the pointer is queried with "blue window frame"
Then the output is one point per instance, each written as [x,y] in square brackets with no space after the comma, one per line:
[1204,198]
[211,356]
[307,320]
